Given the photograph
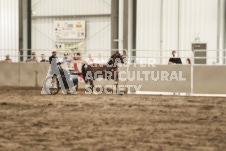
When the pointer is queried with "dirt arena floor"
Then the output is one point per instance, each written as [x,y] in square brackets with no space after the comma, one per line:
[31,121]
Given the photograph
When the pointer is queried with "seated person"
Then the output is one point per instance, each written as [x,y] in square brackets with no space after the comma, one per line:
[43,58]
[90,60]
[7,59]
[53,60]
[65,59]
[174,59]
[33,58]
[188,61]
[78,60]
[100,59]
[54,56]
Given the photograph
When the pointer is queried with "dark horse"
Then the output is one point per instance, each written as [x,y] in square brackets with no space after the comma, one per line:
[107,71]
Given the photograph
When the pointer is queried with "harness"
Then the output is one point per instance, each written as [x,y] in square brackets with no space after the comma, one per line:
[111,68]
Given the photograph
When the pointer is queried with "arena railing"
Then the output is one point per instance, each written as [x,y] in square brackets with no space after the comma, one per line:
[216,56]
[21,73]
[211,57]
[104,53]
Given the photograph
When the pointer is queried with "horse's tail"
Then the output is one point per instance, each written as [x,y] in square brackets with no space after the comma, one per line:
[84,73]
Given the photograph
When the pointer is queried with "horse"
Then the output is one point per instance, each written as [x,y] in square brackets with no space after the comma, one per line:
[107,71]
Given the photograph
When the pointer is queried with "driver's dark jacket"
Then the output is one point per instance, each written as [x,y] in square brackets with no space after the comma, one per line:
[51,58]
[53,63]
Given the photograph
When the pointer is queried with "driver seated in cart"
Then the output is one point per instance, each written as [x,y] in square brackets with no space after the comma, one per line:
[53,60]
[59,71]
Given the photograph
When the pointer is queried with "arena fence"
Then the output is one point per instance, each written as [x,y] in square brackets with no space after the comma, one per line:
[189,79]
[212,57]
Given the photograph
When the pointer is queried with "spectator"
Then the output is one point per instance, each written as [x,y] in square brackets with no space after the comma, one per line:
[7,59]
[100,59]
[43,58]
[188,61]
[65,59]
[54,56]
[174,59]
[90,60]
[33,58]
[78,58]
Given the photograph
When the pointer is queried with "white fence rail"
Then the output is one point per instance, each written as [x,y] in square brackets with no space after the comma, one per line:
[195,79]
[212,57]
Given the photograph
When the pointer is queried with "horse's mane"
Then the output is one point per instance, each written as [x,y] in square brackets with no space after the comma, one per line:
[111,60]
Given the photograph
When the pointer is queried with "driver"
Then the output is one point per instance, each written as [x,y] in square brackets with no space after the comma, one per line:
[64,82]
[54,55]
[53,60]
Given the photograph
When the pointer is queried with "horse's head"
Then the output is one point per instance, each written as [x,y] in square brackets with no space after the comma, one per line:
[115,60]
[119,58]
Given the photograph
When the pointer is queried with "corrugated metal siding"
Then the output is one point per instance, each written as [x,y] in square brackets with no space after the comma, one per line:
[170,25]
[98,28]
[148,27]
[9,32]
[70,7]
[170,28]
[197,17]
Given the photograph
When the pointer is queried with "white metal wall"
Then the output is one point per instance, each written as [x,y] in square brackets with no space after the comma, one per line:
[199,17]
[148,25]
[148,28]
[70,7]
[170,25]
[9,32]
[169,34]
[98,28]
[181,21]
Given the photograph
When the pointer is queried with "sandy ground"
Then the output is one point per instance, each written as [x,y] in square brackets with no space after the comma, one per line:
[31,121]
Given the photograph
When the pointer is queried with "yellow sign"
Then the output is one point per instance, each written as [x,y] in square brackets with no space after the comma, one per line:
[79,26]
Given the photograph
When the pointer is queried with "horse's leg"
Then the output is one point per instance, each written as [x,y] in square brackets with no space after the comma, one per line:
[117,81]
[91,84]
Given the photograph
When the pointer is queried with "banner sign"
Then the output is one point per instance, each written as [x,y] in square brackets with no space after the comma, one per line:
[73,46]
[69,29]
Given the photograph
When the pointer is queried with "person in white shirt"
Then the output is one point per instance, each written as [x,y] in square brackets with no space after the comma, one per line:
[100,59]
[90,60]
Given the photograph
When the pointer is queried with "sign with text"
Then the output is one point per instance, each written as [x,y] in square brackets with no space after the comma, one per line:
[69,29]
[75,47]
